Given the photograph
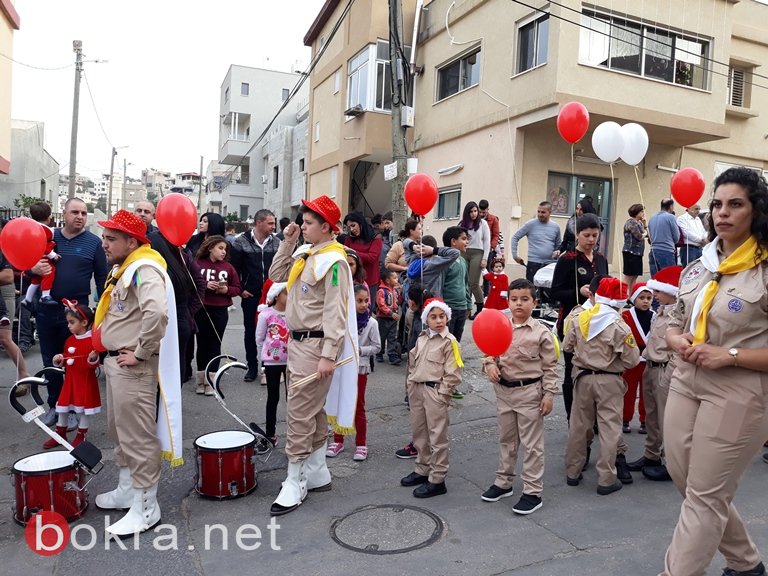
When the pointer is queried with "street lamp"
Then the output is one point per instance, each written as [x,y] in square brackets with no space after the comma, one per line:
[125,180]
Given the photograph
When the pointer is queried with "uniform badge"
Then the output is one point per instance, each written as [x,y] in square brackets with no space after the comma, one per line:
[681,307]
[305,288]
[120,307]
[692,275]
[582,271]
[735,305]
[630,341]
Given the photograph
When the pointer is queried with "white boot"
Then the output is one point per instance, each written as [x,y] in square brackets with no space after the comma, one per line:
[200,381]
[143,515]
[316,470]
[293,492]
[121,498]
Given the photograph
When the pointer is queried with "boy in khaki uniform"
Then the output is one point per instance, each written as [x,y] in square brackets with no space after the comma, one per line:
[658,371]
[525,382]
[320,298]
[434,372]
[603,347]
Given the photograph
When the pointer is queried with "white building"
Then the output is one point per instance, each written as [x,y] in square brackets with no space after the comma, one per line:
[33,171]
[250,99]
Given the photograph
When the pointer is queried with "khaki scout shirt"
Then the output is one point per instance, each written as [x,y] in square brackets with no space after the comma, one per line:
[432,360]
[531,355]
[656,349]
[613,350]
[315,304]
[137,315]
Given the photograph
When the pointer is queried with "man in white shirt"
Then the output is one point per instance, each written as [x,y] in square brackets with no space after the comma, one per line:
[695,235]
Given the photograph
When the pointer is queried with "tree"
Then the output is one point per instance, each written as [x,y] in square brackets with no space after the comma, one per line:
[101,204]
[23,202]
[89,207]
[232,217]
[152,196]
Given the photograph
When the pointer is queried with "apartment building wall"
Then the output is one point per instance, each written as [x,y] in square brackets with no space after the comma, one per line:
[9,21]
[33,172]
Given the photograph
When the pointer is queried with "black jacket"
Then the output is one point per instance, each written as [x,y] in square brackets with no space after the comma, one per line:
[252,262]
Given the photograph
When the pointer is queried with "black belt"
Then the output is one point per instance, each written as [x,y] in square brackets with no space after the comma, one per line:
[585,372]
[518,383]
[304,334]
[431,384]
[657,364]
[113,352]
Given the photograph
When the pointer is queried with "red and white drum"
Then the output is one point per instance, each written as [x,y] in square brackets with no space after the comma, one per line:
[225,464]
[49,481]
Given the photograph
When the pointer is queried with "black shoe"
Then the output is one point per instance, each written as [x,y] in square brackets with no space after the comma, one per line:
[622,471]
[625,428]
[413,479]
[428,490]
[657,473]
[406,452]
[277,510]
[574,481]
[642,429]
[642,462]
[758,570]
[479,309]
[605,490]
[251,375]
[494,493]
[379,358]
[527,504]
[586,462]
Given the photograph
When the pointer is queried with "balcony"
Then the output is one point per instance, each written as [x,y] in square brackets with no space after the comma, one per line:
[234,152]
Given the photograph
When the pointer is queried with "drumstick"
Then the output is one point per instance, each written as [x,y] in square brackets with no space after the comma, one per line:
[311,377]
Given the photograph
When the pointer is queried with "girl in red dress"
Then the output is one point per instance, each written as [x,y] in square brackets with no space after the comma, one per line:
[80,392]
[497,295]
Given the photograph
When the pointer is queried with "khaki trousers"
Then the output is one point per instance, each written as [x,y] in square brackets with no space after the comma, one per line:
[519,420]
[715,424]
[429,424]
[598,396]
[305,407]
[655,393]
[131,418]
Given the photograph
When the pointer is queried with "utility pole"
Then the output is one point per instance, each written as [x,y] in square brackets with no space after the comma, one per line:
[200,189]
[77,46]
[111,180]
[125,175]
[399,208]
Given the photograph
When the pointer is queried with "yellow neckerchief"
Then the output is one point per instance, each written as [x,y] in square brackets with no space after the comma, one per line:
[143,251]
[454,345]
[743,258]
[300,262]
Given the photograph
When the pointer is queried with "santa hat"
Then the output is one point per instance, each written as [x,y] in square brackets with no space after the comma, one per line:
[612,292]
[434,303]
[640,287]
[666,280]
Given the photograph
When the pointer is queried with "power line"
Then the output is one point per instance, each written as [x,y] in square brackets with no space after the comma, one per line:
[90,94]
[35,67]
[639,46]
[36,181]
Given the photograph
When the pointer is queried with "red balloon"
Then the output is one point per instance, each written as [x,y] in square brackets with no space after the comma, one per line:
[176,218]
[573,122]
[421,193]
[96,340]
[492,332]
[687,186]
[23,242]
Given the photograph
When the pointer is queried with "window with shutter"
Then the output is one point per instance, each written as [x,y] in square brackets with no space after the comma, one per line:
[736,86]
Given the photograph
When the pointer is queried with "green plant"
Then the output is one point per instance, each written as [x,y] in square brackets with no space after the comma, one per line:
[232,217]
[23,202]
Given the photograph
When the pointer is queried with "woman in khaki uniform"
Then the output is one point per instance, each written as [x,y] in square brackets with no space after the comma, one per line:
[715,420]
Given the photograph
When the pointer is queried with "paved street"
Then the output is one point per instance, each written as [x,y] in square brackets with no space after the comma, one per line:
[576,532]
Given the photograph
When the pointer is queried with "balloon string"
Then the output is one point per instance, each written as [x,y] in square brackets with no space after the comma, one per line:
[616,243]
[573,168]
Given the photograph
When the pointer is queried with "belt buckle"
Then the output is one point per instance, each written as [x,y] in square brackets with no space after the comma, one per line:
[303,335]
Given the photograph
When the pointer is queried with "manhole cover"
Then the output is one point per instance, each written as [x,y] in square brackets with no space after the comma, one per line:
[387,529]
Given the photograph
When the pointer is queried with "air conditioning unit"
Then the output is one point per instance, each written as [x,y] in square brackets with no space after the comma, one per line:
[263,178]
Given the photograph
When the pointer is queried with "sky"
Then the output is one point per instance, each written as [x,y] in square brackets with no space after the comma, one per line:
[158,93]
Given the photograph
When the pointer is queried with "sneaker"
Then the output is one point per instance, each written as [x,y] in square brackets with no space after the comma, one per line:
[250,375]
[395,361]
[72,422]
[625,427]
[379,358]
[642,429]
[200,388]
[758,570]
[361,453]
[207,389]
[407,451]
[527,504]
[50,418]
[47,300]
[494,493]
[457,395]
[266,444]
[263,380]
[622,470]
[334,448]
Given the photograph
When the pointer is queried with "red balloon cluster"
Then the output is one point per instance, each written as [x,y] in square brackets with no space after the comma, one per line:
[421,193]
[23,242]
[492,332]
[176,218]
[573,122]
[687,186]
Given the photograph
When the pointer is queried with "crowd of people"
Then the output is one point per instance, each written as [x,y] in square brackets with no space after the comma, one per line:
[322,307]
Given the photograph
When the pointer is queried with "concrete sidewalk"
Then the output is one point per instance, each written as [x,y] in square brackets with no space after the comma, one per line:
[576,531]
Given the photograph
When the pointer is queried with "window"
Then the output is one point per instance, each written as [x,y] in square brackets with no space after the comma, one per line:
[736,85]
[357,80]
[459,75]
[643,50]
[275,176]
[243,212]
[369,78]
[317,132]
[301,164]
[532,40]
[334,180]
[448,203]
[226,95]
[565,190]
[286,93]
[244,89]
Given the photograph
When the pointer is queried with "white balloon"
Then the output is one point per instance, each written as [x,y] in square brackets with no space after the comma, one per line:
[635,143]
[607,141]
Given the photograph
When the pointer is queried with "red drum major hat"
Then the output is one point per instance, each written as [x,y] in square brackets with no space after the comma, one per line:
[128,223]
[327,208]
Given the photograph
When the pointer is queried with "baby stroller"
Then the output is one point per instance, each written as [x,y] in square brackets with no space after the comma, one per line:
[542,280]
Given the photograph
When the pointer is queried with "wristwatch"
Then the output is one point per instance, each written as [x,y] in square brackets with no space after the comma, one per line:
[735,355]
